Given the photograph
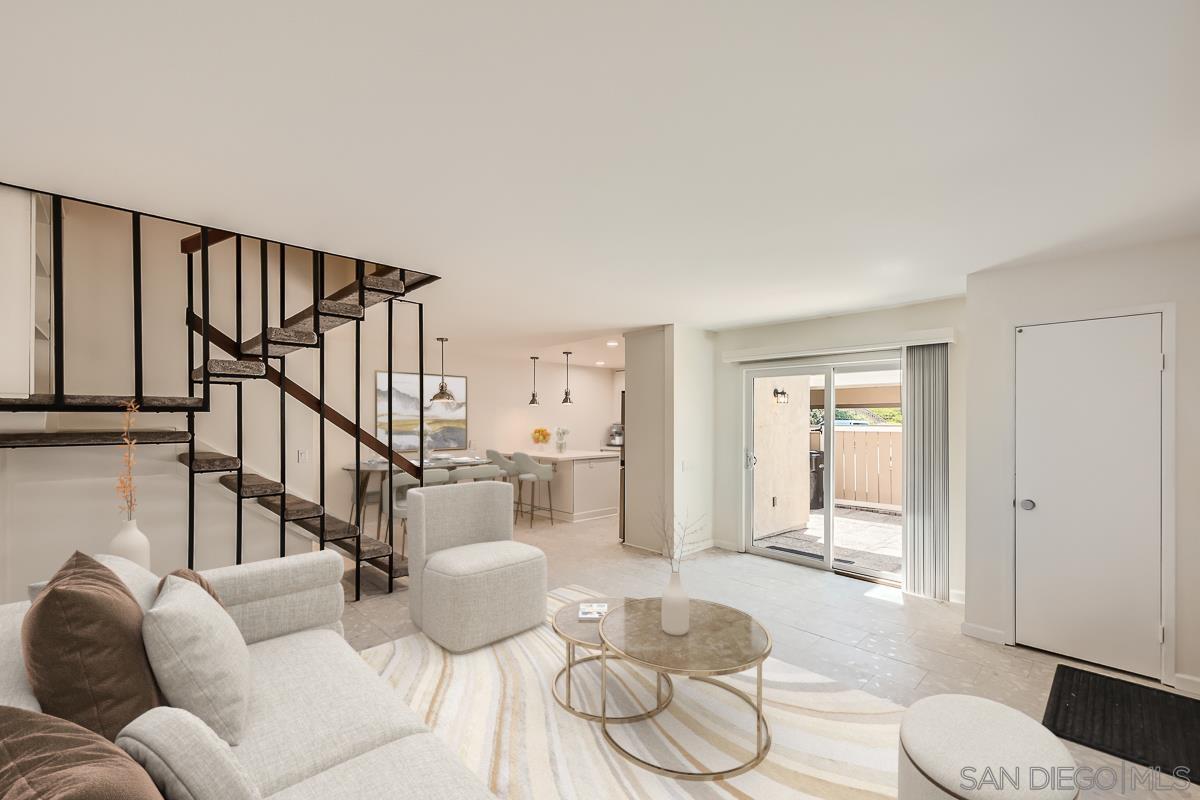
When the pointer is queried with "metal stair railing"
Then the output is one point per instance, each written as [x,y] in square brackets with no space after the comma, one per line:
[251,360]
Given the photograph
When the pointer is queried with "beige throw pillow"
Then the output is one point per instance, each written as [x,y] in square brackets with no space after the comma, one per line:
[198,656]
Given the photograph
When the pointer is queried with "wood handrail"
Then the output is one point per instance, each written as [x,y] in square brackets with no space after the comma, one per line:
[309,400]
[193,243]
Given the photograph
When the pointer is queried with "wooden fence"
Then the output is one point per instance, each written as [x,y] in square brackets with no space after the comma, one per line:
[869,465]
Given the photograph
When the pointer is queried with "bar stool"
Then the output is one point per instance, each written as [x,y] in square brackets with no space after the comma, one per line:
[509,473]
[533,473]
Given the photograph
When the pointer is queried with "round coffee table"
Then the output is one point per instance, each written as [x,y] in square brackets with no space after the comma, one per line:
[586,634]
[720,641]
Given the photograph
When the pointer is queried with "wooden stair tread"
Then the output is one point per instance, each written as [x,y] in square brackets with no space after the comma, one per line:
[91,438]
[228,370]
[333,308]
[399,566]
[281,341]
[297,507]
[342,306]
[386,284]
[102,402]
[207,461]
[335,529]
[252,485]
[372,548]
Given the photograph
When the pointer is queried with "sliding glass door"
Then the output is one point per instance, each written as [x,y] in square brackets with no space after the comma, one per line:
[822,464]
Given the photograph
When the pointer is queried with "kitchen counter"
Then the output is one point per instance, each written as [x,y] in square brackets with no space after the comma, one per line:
[586,484]
[552,456]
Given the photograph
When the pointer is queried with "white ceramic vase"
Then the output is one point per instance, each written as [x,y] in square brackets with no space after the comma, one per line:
[131,543]
[675,607]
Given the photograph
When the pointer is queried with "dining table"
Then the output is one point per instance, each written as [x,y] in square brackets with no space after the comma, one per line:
[372,467]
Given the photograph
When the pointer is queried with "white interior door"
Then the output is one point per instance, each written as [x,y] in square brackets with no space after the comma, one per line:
[1089,490]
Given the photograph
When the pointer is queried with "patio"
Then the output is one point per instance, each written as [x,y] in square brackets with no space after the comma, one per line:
[863,539]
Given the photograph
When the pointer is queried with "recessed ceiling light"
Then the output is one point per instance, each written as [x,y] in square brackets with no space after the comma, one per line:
[599,363]
[612,343]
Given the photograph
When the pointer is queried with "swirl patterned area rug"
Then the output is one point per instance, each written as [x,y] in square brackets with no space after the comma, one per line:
[495,708]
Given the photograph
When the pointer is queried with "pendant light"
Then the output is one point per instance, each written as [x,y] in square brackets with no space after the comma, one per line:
[443,394]
[567,394]
[533,401]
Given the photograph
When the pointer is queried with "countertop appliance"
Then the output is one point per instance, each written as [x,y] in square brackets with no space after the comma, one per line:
[616,435]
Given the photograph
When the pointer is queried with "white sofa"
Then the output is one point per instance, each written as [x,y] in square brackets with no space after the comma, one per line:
[320,725]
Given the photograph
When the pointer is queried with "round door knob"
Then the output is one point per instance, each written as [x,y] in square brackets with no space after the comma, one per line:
[1028,505]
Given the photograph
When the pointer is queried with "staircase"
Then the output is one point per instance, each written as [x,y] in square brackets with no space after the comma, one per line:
[258,357]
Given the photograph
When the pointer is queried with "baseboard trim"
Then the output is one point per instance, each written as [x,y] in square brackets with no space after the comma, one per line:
[983,632]
[1188,684]
[957,596]
[568,516]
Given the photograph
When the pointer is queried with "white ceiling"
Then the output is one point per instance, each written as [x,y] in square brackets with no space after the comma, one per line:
[577,168]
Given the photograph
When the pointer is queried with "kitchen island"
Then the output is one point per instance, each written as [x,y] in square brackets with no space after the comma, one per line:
[586,484]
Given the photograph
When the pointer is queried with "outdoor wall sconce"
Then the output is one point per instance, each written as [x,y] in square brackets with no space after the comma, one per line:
[780,396]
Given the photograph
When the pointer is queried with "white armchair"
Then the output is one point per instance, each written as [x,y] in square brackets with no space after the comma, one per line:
[470,584]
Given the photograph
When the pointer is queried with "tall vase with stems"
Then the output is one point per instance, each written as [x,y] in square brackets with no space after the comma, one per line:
[129,542]
[675,604]
[675,609]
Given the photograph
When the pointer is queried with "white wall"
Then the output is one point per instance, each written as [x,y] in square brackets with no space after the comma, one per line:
[668,436]
[850,332]
[1086,286]
[692,423]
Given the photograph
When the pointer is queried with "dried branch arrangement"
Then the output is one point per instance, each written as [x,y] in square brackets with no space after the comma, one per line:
[125,488]
[675,540]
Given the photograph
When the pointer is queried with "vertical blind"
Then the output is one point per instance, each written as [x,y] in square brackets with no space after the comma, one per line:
[927,471]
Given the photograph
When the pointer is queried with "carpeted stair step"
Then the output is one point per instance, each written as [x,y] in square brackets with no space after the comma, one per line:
[222,370]
[252,485]
[297,507]
[211,462]
[335,529]
[91,438]
[281,341]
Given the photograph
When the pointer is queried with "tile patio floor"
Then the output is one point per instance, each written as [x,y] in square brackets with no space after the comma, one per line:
[867,539]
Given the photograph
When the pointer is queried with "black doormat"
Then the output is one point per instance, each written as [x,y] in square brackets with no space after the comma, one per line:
[1141,724]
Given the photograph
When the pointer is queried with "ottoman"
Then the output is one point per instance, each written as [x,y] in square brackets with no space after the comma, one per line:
[960,746]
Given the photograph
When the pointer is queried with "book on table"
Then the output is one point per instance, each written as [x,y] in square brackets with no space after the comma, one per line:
[592,612]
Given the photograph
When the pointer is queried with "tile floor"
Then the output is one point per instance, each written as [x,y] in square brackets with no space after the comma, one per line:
[865,635]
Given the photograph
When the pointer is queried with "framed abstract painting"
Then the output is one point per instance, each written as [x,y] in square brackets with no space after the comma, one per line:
[445,423]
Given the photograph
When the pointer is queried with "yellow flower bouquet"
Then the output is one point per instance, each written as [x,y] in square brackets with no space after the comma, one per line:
[541,435]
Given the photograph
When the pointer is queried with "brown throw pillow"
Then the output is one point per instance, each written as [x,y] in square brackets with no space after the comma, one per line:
[194,577]
[46,758]
[84,656]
